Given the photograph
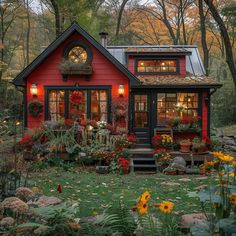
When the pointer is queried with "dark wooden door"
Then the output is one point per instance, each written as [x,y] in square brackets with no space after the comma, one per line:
[141,121]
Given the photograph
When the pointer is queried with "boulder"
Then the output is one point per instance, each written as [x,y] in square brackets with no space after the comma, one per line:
[190,219]
[24,193]
[15,204]
[7,221]
[178,163]
[43,201]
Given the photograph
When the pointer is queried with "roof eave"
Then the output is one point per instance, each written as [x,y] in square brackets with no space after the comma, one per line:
[19,80]
[180,86]
[159,53]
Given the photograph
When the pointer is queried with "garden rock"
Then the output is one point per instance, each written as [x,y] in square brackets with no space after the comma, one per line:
[185,180]
[178,163]
[43,201]
[7,221]
[170,184]
[24,193]
[40,230]
[15,204]
[190,219]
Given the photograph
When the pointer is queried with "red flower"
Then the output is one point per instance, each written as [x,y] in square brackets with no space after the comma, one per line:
[185,120]
[68,122]
[123,162]
[76,97]
[156,140]
[131,137]
[26,140]
[59,188]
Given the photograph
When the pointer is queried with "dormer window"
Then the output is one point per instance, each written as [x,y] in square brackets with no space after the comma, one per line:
[157,66]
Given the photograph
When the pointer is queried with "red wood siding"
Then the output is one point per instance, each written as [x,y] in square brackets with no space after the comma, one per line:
[204,116]
[48,74]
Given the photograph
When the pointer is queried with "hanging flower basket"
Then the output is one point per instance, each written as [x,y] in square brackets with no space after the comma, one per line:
[35,108]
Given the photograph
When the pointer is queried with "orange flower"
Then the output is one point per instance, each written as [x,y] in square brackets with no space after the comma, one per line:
[145,196]
[142,207]
[166,206]
[222,157]
[232,198]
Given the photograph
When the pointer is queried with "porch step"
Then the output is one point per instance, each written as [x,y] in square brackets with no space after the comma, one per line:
[142,160]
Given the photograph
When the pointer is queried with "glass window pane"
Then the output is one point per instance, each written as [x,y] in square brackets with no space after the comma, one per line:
[56,105]
[99,107]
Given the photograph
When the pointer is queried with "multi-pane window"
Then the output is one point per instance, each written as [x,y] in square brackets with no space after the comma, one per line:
[170,105]
[99,105]
[56,105]
[79,105]
[141,111]
[157,66]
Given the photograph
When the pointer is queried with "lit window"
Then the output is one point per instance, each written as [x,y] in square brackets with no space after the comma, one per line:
[157,66]
[56,105]
[170,105]
[78,55]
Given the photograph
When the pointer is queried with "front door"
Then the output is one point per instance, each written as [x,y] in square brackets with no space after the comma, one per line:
[140,120]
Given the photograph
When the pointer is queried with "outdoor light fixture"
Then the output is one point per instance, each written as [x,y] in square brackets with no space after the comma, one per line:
[121,90]
[89,127]
[34,90]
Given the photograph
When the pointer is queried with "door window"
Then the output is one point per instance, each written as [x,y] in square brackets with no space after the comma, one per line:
[141,111]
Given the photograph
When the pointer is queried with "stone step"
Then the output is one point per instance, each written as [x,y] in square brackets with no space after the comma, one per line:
[143,159]
[145,166]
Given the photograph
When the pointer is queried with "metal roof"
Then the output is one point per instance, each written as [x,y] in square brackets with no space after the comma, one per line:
[194,63]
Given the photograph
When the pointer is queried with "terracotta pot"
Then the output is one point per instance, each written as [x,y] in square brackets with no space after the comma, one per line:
[170,172]
[185,147]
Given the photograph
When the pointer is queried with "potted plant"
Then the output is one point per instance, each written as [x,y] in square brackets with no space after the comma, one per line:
[25,145]
[162,141]
[103,158]
[163,158]
[124,164]
[185,145]
[199,145]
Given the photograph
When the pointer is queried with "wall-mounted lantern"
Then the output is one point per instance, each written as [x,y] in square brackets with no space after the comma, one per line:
[34,90]
[121,90]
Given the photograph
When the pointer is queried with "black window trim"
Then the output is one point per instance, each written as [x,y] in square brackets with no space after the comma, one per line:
[198,109]
[157,58]
[47,89]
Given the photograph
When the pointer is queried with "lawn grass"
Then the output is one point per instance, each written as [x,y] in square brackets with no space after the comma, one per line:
[95,192]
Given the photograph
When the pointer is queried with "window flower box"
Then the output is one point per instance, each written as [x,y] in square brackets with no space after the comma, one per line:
[71,68]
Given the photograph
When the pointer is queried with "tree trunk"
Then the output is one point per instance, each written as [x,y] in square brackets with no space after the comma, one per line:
[57,17]
[203,35]
[224,34]
[28,34]
[122,7]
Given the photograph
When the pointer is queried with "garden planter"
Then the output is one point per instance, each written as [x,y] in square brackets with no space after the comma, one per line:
[200,150]
[28,156]
[185,147]
[170,172]
[102,169]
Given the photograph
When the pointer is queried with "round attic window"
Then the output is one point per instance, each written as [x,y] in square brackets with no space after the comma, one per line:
[78,55]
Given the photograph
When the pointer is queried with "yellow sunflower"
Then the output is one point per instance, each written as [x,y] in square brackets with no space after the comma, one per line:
[142,207]
[145,196]
[232,174]
[234,163]
[166,206]
[223,157]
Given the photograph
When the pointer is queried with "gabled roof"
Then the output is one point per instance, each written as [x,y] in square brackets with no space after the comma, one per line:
[19,80]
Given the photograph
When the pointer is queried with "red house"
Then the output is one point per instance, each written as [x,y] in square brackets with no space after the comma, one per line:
[136,88]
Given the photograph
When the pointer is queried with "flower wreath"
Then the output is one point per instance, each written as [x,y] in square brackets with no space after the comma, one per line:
[35,108]
[77,97]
